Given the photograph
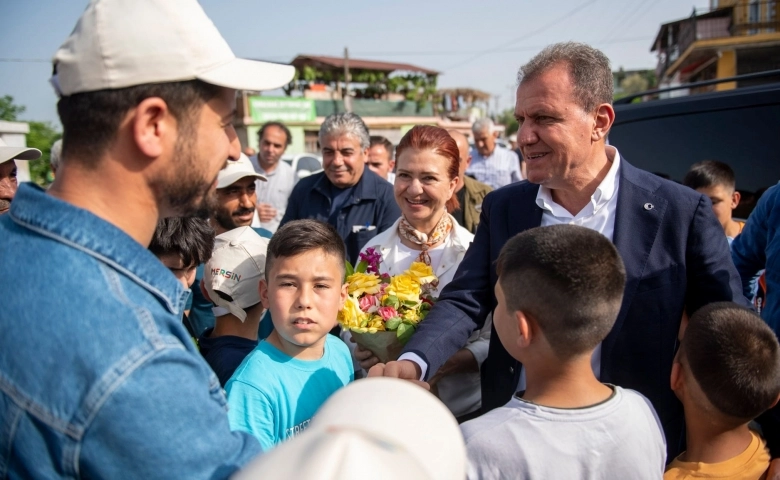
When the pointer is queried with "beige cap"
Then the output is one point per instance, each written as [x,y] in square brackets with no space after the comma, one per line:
[122,43]
[235,170]
[379,428]
[21,153]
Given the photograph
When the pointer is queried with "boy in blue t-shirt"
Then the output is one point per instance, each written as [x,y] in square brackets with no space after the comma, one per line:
[280,385]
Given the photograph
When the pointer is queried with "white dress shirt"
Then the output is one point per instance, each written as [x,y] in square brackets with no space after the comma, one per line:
[598,215]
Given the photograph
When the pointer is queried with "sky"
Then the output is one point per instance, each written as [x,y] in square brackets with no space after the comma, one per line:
[474,44]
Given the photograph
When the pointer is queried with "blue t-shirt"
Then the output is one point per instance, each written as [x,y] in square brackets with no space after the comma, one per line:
[273,396]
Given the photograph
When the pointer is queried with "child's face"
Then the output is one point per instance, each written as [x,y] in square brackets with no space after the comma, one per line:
[183,273]
[724,200]
[304,294]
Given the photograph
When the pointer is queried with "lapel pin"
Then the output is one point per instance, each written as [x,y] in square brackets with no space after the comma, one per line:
[648,206]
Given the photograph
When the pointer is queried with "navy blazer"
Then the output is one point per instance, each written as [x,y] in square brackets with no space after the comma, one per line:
[676,257]
[371,205]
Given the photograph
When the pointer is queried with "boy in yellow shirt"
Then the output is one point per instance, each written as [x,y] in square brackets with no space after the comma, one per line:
[727,372]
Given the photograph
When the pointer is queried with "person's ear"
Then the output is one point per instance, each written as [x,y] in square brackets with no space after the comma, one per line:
[263,289]
[524,330]
[190,275]
[344,294]
[676,378]
[153,127]
[775,402]
[605,117]
[204,291]
[392,164]
[735,198]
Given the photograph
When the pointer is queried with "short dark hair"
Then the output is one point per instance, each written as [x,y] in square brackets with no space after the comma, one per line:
[191,238]
[570,279]
[709,173]
[300,236]
[90,120]
[734,357]
[279,125]
[375,140]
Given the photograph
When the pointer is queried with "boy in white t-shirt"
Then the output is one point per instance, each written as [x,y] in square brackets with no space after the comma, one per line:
[277,388]
[558,294]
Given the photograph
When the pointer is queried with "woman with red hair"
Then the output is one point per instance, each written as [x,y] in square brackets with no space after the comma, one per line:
[427,160]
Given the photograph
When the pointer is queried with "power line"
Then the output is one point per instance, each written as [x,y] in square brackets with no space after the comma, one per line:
[524,36]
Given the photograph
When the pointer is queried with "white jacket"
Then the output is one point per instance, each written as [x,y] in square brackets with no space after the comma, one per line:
[461,391]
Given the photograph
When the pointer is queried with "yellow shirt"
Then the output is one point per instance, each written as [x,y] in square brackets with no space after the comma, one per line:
[751,464]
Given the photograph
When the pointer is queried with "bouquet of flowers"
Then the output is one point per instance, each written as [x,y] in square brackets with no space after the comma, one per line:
[381,311]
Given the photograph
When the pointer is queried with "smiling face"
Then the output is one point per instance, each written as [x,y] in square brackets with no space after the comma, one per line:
[555,133]
[422,187]
[235,205]
[343,159]
[304,294]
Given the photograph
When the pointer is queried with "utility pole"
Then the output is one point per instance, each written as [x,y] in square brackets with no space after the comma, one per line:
[347,96]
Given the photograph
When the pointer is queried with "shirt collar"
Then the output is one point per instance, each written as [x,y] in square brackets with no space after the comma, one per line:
[51,217]
[603,194]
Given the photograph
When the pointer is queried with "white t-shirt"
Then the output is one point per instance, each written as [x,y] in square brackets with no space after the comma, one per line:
[618,438]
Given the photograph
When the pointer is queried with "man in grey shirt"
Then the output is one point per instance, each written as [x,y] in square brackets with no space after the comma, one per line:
[272,195]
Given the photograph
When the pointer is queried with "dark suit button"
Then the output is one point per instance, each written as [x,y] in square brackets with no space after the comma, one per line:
[511,369]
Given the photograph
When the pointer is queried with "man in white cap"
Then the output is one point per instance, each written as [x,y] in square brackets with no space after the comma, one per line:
[98,377]
[234,207]
[8,184]
[236,195]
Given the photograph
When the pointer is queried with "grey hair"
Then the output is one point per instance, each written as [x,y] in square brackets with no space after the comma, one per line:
[345,124]
[56,154]
[483,124]
[589,69]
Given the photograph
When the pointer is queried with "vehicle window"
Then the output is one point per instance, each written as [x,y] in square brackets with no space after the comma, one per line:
[308,163]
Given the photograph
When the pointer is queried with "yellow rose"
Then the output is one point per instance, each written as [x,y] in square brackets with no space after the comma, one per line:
[422,273]
[411,315]
[351,316]
[405,287]
[360,283]
[375,323]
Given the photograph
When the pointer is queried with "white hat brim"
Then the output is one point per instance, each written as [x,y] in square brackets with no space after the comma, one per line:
[228,179]
[254,75]
[20,153]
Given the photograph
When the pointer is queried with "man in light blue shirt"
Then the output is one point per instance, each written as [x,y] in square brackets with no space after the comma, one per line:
[490,163]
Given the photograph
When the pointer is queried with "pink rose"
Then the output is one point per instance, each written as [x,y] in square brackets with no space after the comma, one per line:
[387,313]
[368,301]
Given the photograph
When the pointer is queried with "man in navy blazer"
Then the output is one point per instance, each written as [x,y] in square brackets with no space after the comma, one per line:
[675,254]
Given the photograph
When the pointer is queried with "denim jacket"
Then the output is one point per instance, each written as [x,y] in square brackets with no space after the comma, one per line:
[98,377]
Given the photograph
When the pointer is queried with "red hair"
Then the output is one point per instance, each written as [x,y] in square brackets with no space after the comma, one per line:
[439,141]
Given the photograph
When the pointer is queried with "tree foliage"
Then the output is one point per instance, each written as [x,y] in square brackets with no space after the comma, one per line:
[8,110]
[508,120]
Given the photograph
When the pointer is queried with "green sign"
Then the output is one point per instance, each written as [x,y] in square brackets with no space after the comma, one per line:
[281,109]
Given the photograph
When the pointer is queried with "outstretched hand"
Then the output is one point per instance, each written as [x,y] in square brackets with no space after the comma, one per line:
[365,357]
[403,369]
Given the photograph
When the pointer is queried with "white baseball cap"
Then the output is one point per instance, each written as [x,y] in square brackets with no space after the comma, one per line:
[355,436]
[232,275]
[21,153]
[235,170]
[122,43]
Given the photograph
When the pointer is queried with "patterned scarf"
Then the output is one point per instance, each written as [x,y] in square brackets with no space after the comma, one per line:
[440,232]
